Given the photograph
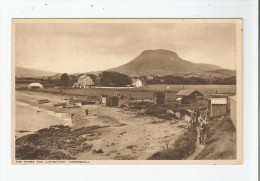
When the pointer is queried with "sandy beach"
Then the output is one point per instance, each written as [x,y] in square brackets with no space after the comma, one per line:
[123,134]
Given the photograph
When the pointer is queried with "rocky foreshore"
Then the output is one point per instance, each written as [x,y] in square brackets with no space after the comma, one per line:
[56,143]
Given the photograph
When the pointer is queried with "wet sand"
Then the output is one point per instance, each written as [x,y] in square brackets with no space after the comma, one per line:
[126,135]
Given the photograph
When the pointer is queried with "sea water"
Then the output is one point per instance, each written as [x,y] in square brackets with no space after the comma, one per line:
[29,119]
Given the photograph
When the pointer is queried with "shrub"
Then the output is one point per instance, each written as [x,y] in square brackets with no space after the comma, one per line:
[183,147]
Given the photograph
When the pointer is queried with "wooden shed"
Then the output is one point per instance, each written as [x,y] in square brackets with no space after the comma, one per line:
[189,96]
[158,98]
[112,101]
[217,106]
[103,99]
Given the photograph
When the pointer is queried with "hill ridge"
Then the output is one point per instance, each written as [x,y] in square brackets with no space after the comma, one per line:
[161,61]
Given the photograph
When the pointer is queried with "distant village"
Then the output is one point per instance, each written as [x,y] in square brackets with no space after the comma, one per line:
[115,79]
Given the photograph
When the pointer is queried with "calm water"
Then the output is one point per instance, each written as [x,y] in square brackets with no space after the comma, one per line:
[30,119]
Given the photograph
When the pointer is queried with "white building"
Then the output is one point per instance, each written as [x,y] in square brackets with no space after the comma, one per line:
[85,80]
[218,106]
[137,83]
[35,86]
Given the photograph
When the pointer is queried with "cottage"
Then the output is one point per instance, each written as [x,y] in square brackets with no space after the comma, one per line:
[137,83]
[112,101]
[103,99]
[158,98]
[188,96]
[35,86]
[85,80]
[233,112]
[217,106]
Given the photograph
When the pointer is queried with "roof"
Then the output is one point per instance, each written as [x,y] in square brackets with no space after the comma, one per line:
[83,76]
[186,92]
[86,75]
[218,100]
[135,80]
[35,85]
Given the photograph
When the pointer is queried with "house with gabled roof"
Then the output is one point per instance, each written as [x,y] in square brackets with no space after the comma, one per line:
[85,80]
[188,96]
[137,82]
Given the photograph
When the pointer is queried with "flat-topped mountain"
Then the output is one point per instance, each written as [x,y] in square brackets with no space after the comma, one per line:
[162,62]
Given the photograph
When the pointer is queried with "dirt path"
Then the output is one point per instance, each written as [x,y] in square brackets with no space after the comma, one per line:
[198,149]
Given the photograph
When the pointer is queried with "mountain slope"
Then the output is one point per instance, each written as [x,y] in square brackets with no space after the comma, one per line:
[161,62]
[220,73]
[28,72]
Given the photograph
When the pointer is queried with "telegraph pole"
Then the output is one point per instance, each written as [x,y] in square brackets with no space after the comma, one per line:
[183,82]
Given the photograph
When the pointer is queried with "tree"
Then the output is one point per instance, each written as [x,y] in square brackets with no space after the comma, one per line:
[114,79]
[65,80]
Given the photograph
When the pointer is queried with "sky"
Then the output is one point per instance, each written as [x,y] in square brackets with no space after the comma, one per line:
[84,47]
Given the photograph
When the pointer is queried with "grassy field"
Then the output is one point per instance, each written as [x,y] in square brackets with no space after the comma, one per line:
[182,148]
[220,141]
[206,89]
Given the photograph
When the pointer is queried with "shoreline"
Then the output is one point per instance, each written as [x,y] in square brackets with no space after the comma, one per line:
[121,134]
[37,118]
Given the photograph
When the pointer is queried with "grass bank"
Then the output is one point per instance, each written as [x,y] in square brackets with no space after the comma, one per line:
[182,148]
[220,141]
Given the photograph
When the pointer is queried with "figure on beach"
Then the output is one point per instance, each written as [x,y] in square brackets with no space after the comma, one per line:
[86,111]
[202,130]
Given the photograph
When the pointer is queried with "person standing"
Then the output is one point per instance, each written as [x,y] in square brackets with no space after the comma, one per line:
[203,128]
[86,111]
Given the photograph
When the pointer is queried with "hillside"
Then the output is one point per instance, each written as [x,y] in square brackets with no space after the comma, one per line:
[28,72]
[220,144]
[161,62]
[220,73]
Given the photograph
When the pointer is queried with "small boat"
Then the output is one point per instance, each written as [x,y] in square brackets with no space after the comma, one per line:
[88,102]
[68,106]
[76,105]
[67,99]
[42,101]
[60,104]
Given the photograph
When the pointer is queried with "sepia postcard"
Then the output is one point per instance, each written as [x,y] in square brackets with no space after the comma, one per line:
[127,91]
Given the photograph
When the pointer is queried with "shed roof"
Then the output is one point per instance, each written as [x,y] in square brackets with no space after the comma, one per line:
[218,100]
[35,84]
[186,92]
